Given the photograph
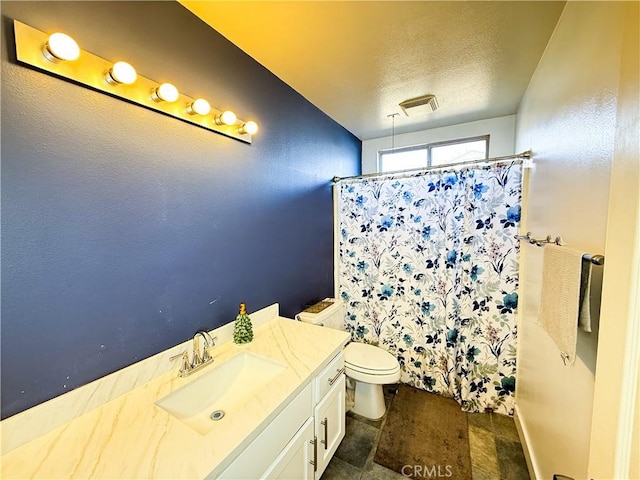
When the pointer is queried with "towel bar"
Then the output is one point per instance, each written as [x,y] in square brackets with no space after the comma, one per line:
[595,259]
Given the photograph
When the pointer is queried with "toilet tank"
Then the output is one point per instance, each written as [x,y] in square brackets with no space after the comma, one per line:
[327,313]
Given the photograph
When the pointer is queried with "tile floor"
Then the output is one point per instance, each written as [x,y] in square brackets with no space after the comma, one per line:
[496,453]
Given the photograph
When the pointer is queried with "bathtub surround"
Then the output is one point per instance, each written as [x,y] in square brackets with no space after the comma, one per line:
[125,231]
[429,271]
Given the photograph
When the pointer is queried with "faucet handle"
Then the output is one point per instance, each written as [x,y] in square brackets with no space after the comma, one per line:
[185,366]
[199,359]
[205,354]
[209,344]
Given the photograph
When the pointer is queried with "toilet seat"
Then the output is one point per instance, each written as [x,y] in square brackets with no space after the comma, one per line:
[370,364]
[370,371]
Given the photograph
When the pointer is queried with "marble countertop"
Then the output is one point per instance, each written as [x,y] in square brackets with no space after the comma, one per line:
[131,437]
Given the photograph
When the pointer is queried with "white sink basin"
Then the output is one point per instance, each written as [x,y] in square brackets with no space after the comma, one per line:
[226,388]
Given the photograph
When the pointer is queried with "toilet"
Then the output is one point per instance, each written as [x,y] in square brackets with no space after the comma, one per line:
[368,366]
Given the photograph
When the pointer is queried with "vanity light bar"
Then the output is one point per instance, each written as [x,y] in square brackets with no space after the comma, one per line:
[60,55]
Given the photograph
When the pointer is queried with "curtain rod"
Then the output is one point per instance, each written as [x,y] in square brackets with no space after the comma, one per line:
[525,155]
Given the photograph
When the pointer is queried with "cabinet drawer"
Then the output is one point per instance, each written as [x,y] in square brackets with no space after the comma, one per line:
[328,377]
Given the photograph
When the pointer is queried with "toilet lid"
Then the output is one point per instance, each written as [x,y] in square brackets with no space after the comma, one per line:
[369,357]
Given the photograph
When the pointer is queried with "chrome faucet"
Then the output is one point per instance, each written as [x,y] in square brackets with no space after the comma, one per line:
[208,343]
[197,360]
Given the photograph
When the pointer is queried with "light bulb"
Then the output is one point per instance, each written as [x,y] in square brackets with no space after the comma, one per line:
[121,73]
[61,47]
[165,93]
[225,118]
[199,106]
[249,127]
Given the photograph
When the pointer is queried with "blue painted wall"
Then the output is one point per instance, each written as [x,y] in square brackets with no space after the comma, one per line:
[124,230]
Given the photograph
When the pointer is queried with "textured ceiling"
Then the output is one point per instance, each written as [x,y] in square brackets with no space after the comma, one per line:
[357,60]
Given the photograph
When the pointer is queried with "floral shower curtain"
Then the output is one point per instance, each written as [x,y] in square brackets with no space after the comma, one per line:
[428,270]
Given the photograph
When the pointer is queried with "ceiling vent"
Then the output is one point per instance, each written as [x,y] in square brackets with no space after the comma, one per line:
[419,105]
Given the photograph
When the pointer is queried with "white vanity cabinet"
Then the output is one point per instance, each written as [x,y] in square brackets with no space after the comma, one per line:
[307,455]
[299,443]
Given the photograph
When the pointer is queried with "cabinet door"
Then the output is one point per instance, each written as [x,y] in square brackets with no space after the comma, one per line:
[258,457]
[330,424]
[295,462]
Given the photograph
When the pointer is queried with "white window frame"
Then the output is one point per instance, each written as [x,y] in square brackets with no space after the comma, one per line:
[429,146]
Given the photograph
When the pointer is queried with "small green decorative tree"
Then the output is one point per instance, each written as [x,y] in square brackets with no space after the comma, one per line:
[243,330]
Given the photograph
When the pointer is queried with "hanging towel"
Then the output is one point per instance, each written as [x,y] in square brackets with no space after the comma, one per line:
[560,298]
[584,319]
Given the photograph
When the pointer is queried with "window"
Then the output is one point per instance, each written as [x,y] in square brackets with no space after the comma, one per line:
[404,158]
[434,154]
